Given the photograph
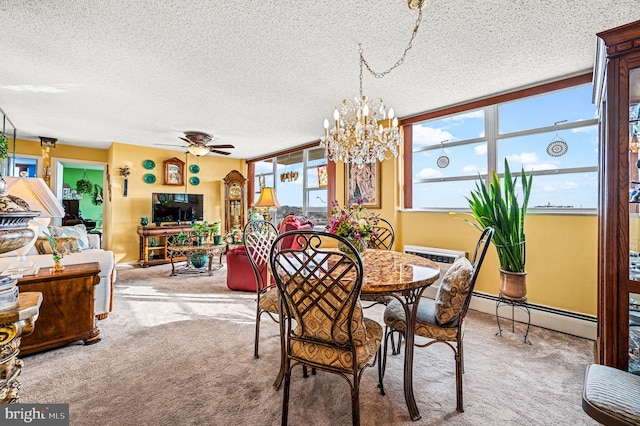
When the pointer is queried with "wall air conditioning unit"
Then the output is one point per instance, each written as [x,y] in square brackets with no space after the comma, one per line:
[442,257]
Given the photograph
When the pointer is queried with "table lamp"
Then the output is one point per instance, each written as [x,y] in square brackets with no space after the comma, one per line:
[39,198]
[266,201]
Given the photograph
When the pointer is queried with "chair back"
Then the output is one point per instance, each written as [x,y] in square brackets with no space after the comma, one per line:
[476,261]
[259,235]
[383,236]
[321,288]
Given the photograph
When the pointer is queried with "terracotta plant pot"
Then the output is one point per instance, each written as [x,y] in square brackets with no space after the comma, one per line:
[513,285]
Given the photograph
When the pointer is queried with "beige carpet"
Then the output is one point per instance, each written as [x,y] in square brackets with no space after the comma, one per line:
[179,351]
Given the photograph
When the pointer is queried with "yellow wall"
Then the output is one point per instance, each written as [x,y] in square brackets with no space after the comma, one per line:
[125,212]
[122,214]
[562,250]
[61,151]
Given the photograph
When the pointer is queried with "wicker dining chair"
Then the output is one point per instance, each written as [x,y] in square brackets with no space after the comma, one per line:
[325,327]
[259,235]
[442,320]
[383,235]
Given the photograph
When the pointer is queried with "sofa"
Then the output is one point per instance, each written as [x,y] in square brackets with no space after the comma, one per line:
[87,250]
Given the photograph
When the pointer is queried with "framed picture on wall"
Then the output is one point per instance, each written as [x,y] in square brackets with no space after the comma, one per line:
[363,183]
[174,172]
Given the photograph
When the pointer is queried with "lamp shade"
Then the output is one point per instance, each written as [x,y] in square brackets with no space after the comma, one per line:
[36,193]
[198,150]
[267,199]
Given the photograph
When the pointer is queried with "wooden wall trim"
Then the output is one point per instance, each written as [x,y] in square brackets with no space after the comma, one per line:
[506,97]
[407,190]
[285,152]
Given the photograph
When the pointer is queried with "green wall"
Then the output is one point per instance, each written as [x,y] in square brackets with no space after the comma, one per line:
[87,208]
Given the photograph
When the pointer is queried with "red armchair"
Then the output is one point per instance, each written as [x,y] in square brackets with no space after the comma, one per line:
[239,272]
[290,223]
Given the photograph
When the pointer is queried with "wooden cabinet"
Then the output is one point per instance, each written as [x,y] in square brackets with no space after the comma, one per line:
[67,310]
[617,93]
[154,241]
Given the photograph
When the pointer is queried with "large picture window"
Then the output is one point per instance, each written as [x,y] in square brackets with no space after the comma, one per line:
[554,136]
[299,179]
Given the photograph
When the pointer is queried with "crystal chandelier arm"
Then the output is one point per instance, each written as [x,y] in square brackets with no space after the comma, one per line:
[404,54]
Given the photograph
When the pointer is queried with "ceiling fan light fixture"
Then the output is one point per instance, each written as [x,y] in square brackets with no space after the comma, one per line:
[198,150]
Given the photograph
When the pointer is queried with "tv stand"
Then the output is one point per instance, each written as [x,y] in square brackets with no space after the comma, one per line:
[156,253]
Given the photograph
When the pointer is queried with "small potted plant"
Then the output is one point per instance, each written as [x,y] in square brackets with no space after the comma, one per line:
[199,258]
[181,238]
[498,207]
[200,230]
[215,232]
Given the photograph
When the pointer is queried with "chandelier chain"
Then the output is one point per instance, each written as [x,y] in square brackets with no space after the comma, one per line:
[398,62]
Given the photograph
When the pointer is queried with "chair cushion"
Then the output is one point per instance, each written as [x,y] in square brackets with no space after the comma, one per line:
[269,301]
[426,324]
[453,291]
[335,356]
[613,392]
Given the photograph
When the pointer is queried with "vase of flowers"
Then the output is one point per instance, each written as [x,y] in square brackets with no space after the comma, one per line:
[353,222]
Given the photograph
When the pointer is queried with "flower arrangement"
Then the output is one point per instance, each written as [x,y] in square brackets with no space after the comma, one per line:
[352,221]
[234,236]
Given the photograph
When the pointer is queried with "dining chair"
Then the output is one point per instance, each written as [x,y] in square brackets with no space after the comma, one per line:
[383,235]
[325,326]
[259,235]
[441,320]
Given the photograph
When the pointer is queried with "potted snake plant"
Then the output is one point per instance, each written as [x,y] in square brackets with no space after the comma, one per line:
[499,208]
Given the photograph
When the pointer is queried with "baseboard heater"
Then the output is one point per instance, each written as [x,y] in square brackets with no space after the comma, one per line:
[442,257]
[542,316]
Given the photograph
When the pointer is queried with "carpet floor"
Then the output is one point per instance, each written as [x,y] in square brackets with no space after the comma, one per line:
[179,351]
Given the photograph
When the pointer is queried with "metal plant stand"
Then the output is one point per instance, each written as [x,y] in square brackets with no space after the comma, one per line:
[514,303]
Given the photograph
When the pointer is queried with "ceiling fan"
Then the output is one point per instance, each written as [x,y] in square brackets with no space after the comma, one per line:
[199,144]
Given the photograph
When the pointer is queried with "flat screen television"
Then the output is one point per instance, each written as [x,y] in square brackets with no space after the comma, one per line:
[176,207]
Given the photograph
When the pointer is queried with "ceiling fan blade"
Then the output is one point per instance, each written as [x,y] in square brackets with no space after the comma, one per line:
[215,151]
[169,144]
[186,140]
[221,146]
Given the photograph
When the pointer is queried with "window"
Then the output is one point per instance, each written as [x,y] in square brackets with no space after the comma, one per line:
[298,179]
[554,136]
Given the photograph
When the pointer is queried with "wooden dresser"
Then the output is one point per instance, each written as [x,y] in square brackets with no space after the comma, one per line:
[67,310]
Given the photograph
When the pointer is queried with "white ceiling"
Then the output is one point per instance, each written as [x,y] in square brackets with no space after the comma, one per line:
[262,75]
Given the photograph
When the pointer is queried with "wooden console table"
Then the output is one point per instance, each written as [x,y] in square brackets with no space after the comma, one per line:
[15,323]
[154,241]
[67,310]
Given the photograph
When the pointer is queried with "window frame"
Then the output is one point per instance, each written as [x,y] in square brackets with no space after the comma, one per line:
[490,106]
[306,189]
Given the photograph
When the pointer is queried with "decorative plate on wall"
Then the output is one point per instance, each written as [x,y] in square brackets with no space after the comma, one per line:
[194,168]
[194,180]
[149,178]
[148,164]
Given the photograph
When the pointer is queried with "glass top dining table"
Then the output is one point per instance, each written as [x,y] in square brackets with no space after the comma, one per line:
[403,276]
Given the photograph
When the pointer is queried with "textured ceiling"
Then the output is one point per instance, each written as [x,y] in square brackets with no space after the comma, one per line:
[262,75]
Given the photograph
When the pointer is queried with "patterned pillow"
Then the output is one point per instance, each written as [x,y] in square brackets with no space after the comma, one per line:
[64,245]
[453,291]
[77,231]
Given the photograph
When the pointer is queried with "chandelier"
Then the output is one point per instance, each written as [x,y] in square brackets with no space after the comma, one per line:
[364,131]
